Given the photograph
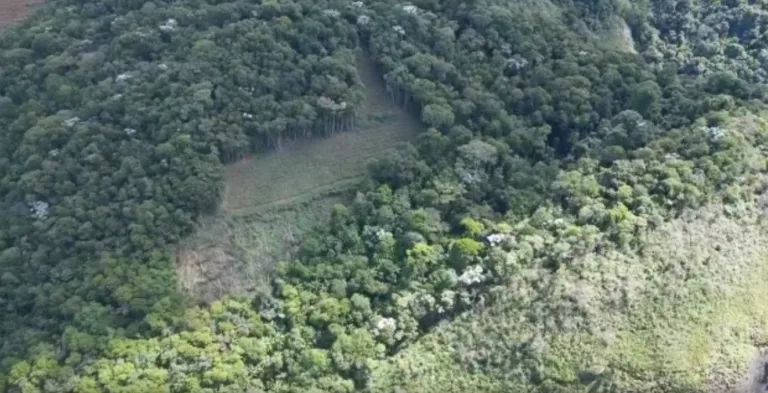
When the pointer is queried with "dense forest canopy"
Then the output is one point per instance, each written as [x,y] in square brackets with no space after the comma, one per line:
[545,145]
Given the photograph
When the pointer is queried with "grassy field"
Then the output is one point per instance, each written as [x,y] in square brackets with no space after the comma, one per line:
[15,11]
[305,169]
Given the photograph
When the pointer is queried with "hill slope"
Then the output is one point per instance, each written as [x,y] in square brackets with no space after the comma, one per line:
[533,238]
[685,313]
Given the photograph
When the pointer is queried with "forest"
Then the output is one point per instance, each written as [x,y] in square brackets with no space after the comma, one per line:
[585,210]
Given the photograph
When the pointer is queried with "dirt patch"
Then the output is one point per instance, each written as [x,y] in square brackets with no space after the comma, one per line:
[231,255]
[15,11]
[210,273]
[209,265]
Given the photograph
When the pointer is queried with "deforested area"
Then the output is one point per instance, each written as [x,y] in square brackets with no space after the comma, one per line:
[307,168]
[15,11]
[384,196]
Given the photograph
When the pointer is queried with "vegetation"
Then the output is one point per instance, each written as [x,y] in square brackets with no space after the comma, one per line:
[568,221]
[306,169]
[683,314]
[237,255]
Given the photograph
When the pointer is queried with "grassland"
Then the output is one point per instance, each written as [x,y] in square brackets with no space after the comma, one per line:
[684,314]
[305,169]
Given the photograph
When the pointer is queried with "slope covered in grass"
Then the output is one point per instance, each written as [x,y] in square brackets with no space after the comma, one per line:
[686,312]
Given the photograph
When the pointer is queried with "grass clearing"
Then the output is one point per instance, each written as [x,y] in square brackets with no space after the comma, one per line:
[13,12]
[304,169]
[618,36]
[236,255]
[273,199]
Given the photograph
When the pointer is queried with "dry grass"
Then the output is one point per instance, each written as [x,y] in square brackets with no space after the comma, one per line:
[237,255]
[305,169]
[209,265]
[14,11]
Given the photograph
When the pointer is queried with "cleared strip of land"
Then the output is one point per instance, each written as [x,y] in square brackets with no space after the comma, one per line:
[305,169]
[15,11]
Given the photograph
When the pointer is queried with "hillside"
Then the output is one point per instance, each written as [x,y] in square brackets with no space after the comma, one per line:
[209,196]
[686,313]
[272,200]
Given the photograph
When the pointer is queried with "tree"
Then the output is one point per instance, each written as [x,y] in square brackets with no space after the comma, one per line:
[646,99]
[438,115]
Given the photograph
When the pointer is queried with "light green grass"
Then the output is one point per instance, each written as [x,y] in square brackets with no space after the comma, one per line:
[687,315]
[618,36]
[319,195]
[304,169]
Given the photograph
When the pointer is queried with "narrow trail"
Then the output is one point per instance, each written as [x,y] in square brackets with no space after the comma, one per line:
[376,96]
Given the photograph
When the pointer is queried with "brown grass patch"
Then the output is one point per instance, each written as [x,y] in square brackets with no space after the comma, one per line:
[210,265]
[237,255]
[15,11]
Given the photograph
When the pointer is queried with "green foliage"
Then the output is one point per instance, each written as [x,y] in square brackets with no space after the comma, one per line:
[463,253]
[670,316]
[531,202]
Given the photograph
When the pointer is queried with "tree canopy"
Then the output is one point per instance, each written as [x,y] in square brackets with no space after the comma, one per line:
[543,145]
